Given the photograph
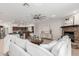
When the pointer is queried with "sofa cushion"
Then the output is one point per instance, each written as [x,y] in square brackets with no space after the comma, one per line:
[48,46]
[36,50]
[17,51]
[55,49]
[6,43]
[63,50]
[21,43]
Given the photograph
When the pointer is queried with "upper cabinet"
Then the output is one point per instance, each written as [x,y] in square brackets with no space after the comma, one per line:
[72,20]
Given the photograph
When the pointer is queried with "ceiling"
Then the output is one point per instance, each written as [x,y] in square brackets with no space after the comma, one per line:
[18,14]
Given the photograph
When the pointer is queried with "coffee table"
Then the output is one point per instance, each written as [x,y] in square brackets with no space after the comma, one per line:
[38,42]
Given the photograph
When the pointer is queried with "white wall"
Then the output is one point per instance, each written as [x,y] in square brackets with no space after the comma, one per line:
[55,25]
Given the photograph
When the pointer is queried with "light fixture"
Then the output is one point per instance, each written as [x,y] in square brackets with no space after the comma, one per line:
[39,16]
[75,11]
[53,16]
[26,4]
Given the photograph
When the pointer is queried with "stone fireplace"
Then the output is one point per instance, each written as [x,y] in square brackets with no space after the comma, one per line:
[72,31]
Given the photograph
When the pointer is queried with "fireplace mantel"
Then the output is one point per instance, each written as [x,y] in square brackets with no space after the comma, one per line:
[70,26]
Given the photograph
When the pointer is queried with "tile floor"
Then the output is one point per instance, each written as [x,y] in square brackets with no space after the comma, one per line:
[75,52]
[1,45]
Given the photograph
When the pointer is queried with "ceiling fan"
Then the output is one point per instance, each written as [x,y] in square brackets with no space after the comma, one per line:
[39,17]
[36,16]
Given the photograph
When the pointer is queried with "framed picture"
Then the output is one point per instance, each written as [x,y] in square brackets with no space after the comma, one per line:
[69,21]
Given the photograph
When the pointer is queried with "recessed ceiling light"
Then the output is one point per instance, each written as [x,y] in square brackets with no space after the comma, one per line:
[75,11]
[53,15]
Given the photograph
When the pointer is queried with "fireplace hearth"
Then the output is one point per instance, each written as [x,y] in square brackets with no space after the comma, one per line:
[71,35]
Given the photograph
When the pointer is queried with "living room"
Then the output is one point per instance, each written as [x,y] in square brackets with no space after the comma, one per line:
[41,24]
